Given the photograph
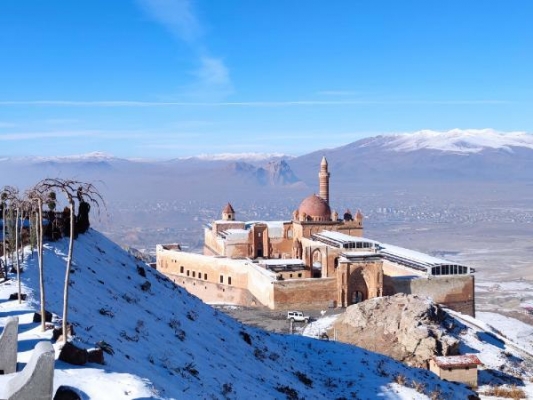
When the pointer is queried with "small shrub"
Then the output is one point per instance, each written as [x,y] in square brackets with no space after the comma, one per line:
[435,395]
[246,337]
[381,369]
[145,287]
[129,299]
[227,388]
[180,334]
[304,379]
[141,271]
[511,392]
[191,369]
[259,354]
[418,386]
[124,335]
[140,326]
[291,393]
[400,379]
[174,323]
[273,356]
[105,347]
[106,312]
[192,315]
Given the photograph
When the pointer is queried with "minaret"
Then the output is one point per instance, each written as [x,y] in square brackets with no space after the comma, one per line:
[323,179]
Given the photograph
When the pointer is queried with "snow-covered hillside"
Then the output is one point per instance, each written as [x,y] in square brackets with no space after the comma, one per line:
[457,140]
[502,344]
[168,344]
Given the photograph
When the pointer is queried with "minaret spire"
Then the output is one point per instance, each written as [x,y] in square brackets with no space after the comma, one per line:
[323,179]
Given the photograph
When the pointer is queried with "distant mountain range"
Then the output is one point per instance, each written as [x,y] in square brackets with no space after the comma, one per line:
[481,155]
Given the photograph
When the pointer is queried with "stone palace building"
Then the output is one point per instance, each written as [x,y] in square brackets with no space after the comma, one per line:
[316,259]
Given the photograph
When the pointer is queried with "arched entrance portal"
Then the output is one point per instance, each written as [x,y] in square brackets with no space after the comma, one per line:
[316,263]
[357,287]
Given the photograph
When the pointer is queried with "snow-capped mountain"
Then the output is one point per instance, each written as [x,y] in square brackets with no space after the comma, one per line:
[246,157]
[473,155]
[455,141]
[169,345]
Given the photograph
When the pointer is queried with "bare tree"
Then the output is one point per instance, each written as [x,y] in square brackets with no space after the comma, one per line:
[72,190]
[3,198]
[36,196]
[11,194]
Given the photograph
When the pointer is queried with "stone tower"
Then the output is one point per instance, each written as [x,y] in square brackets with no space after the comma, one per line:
[228,213]
[323,178]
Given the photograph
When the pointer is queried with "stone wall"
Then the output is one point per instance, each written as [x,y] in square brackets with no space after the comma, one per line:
[218,279]
[464,375]
[455,291]
[215,293]
[305,293]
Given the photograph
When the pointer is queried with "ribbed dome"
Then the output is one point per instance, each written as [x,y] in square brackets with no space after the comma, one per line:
[315,208]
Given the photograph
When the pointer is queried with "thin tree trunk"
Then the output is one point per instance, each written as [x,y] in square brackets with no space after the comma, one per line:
[4,239]
[39,238]
[67,273]
[17,255]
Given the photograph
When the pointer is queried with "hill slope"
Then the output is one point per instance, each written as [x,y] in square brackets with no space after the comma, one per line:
[485,155]
[168,344]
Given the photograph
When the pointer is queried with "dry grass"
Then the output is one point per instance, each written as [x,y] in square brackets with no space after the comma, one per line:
[400,379]
[418,386]
[511,392]
[435,395]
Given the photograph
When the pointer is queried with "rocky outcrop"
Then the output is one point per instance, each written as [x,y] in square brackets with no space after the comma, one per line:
[407,328]
[280,173]
[275,173]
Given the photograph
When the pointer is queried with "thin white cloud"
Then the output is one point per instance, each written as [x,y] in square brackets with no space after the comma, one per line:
[289,103]
[179,18]
[93,134]
[60,121]
[213,72]
[43,135]
[337,93]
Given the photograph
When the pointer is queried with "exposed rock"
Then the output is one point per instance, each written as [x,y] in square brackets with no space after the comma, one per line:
[66,393]
[141,271]
[47,316]
[96,356]
[57,333]
[15,296]
[407,328]
[146,286]
[73,355]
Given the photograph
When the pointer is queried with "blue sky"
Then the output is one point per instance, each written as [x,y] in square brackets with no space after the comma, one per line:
[172,78]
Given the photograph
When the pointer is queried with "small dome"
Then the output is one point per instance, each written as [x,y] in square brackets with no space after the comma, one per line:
[315,208]
[348,215]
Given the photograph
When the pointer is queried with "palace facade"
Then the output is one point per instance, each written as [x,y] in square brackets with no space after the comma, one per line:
[316,259]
